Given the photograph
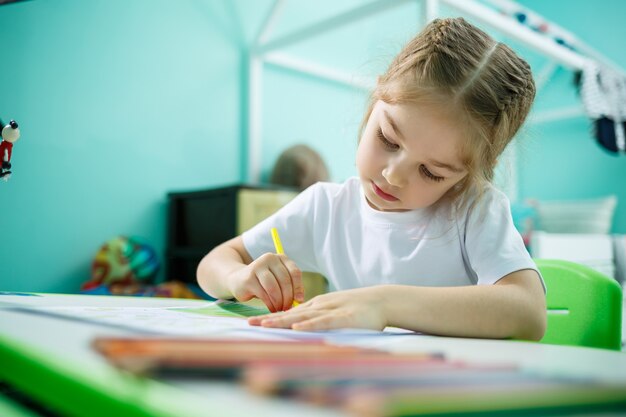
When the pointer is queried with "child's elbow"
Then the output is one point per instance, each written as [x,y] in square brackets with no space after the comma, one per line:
[531,311]
[533,326]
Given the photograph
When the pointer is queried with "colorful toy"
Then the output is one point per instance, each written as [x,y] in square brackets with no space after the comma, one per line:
[123,261]
[10,133]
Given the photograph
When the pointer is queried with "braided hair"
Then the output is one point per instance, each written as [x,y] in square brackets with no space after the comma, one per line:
[476,80]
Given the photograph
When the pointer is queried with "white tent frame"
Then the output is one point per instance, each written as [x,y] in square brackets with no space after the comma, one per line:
[268,52]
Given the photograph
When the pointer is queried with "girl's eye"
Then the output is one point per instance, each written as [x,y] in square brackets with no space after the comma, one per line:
[389,145]
[430,175]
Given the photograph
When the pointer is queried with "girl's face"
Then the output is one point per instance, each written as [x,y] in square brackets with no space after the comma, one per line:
[408,156]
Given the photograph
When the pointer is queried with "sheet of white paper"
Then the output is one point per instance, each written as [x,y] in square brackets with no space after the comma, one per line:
[176,321]
[170,321]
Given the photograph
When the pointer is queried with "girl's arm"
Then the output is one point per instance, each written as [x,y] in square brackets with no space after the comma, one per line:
[514,307]
[228,271]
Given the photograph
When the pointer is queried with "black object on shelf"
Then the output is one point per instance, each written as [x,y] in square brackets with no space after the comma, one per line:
[200,220]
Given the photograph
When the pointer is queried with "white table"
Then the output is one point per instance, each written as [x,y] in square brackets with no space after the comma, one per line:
[63,346]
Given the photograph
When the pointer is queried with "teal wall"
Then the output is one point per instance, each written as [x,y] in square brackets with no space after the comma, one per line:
[118,102]
[122,101]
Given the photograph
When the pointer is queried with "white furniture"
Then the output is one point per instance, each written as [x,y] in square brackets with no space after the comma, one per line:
[592,250]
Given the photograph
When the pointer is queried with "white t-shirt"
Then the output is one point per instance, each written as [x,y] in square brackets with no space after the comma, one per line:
[332,230]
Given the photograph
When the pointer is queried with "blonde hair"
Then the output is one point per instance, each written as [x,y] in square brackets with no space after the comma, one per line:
[480,82]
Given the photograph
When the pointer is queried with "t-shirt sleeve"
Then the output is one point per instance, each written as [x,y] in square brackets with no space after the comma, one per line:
[494,246]
[294,223]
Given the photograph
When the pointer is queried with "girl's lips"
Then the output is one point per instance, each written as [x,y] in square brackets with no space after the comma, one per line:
[382,194]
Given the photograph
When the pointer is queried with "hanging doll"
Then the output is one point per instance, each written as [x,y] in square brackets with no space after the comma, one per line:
[603,92]
[9,134]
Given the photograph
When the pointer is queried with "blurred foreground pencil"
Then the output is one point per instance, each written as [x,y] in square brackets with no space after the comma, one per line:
[336,384]
[213,356]
[283,377]
[541,398]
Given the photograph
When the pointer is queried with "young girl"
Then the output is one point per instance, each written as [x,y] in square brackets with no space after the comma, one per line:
[420,240]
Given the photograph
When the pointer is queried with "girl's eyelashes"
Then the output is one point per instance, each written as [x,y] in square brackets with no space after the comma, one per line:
[394,147]
[386,143]
[430,175]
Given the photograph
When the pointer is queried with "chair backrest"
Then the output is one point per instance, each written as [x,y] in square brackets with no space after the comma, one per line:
[584,306]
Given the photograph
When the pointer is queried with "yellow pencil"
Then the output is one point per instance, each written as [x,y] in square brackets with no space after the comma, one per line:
[279,250]
[277,243]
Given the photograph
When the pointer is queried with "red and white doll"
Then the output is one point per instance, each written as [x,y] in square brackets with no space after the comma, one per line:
[10,134]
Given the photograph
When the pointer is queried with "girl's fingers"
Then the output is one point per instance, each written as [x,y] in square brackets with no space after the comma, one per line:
[296,278]
[287,319]
[323,313]
[259,292]
[323,322]
[268,281]
[284,281]
[303,311]
[256,320]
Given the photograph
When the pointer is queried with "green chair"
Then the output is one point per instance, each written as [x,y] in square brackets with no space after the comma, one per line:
[584,306]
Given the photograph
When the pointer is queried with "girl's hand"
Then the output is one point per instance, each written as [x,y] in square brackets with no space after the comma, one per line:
[275,279]
[359,308]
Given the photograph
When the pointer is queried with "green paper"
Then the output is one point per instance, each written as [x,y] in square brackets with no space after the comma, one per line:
[223,308]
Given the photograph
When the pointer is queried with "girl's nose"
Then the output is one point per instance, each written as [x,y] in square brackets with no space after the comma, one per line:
[395,175]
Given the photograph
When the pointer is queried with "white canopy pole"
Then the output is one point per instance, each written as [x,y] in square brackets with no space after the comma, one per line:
[318,71]
[255,88]
[557,114]
[255,91]
[331,23]
[270,21]
[430,11]
[545,74]
[511,6]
